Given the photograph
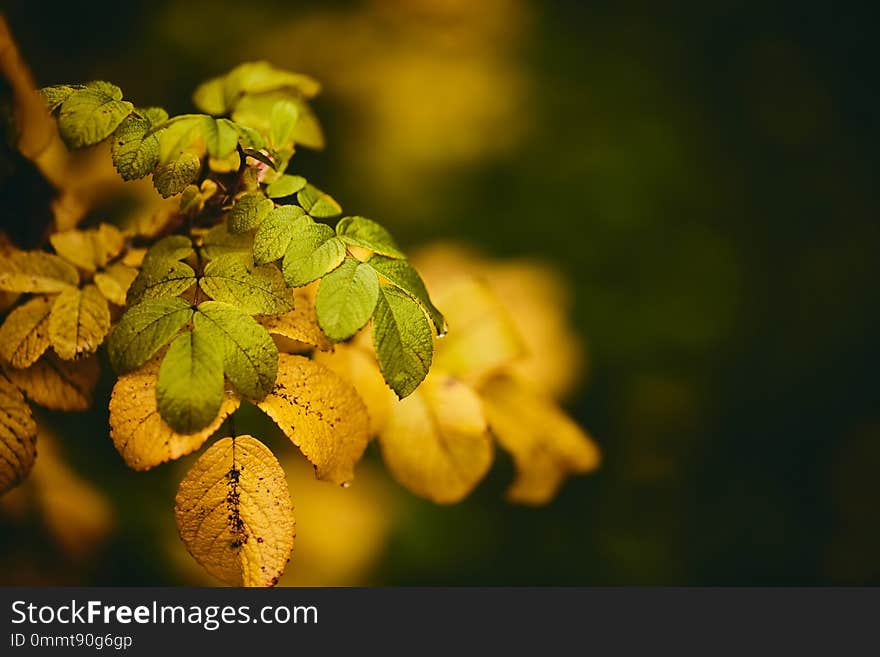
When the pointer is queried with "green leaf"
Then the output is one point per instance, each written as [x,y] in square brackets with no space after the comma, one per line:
[274,234]
[155,115]
[368,234]
[160,278]
[135,154]
[189,389]
[404,276]
[255,290]
[173,247]
[282,122]
[250,357]
[346,299]
[221,136]
[402,340]
[55,95]
[313,251]
[260,76]
[285,185]
[248,212]
[219,241]
[90,115]
[36,271]
[317,203]
[144,329]
[172,177]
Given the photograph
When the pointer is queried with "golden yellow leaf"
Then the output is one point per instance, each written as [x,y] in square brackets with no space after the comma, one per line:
[545,443]
[482,338]
[24,335]
[114,282]
[300,324]
[36,271]
[321,413]
[138,431]
[57,384]
[234,513]
[133,257]
[538,302]
[18,434]
[79,321]
[358,366]
[88,249]
[436,441]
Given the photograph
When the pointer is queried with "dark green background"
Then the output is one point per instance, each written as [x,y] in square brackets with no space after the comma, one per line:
[706,176]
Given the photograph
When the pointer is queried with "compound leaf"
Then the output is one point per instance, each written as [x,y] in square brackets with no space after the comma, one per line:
[250,357]
[234,513]
[255,290]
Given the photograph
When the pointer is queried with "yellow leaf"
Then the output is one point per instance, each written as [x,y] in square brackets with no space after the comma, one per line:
[300,324]
[35,271]
[114,282]
[538,302]
[57,384]
[140,434]
[24,335]
[234,513]
[88,249]
[436,441]
[358,366]
[79,321]
[18,434]
[545,443]
[321,413]
[482,338]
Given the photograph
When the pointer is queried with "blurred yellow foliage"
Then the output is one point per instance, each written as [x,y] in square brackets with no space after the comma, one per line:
[508,358]
[435,84]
